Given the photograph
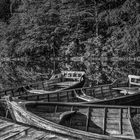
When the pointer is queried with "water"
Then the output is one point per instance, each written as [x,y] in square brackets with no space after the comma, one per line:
[16,73]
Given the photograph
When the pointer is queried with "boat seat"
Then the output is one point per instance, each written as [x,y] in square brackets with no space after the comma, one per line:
[66,115]
[89,98]
[127,90]
[37,91]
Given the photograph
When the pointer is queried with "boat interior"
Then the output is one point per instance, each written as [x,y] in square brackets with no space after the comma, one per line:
[62,81]
[110,91]
[106,120]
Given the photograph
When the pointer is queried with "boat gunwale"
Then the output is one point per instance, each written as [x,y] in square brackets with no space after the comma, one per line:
[69,90]
[24,103]
[115,98]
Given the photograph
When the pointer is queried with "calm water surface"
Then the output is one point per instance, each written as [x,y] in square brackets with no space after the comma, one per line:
[17,73]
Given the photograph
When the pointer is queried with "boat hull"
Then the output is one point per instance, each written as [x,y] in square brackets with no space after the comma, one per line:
[22,115]
[45,87]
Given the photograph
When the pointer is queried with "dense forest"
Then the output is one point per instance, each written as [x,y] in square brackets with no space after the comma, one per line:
[50,28]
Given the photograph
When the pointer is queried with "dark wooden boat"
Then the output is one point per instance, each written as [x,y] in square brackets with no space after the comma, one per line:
[114,94]
[82,121]
[117,93]
[120,93]
[13,130]
[59,82]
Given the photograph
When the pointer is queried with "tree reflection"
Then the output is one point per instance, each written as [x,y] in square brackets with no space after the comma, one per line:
[14,73]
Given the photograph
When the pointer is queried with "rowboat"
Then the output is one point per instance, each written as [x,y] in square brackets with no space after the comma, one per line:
[127,93]
[117,93]
[58,82]
[12,130]
[99,122]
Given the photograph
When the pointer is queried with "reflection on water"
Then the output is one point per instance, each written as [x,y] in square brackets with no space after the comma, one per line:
[100,72]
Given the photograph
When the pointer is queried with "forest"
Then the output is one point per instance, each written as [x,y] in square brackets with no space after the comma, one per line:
[51,28]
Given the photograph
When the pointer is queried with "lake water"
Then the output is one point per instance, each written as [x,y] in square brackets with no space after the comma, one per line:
[15,73]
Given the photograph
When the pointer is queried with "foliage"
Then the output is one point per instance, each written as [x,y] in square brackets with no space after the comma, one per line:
[45,28]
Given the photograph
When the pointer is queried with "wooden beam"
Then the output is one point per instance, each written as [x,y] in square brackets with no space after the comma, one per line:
[129,112]
[104,120]
[120,122]
[87,120]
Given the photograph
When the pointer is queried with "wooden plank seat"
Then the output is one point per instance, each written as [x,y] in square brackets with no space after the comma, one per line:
[134,85]
[87,98]
[65,84]
[65,115]
[37,91]
[57,117]
[127,90]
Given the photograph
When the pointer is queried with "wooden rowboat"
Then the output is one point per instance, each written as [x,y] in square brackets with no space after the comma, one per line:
[114,94]
[99,122]
[13,130]
[59,82]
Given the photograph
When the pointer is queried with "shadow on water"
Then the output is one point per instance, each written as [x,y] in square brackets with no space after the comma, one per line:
[17,73]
